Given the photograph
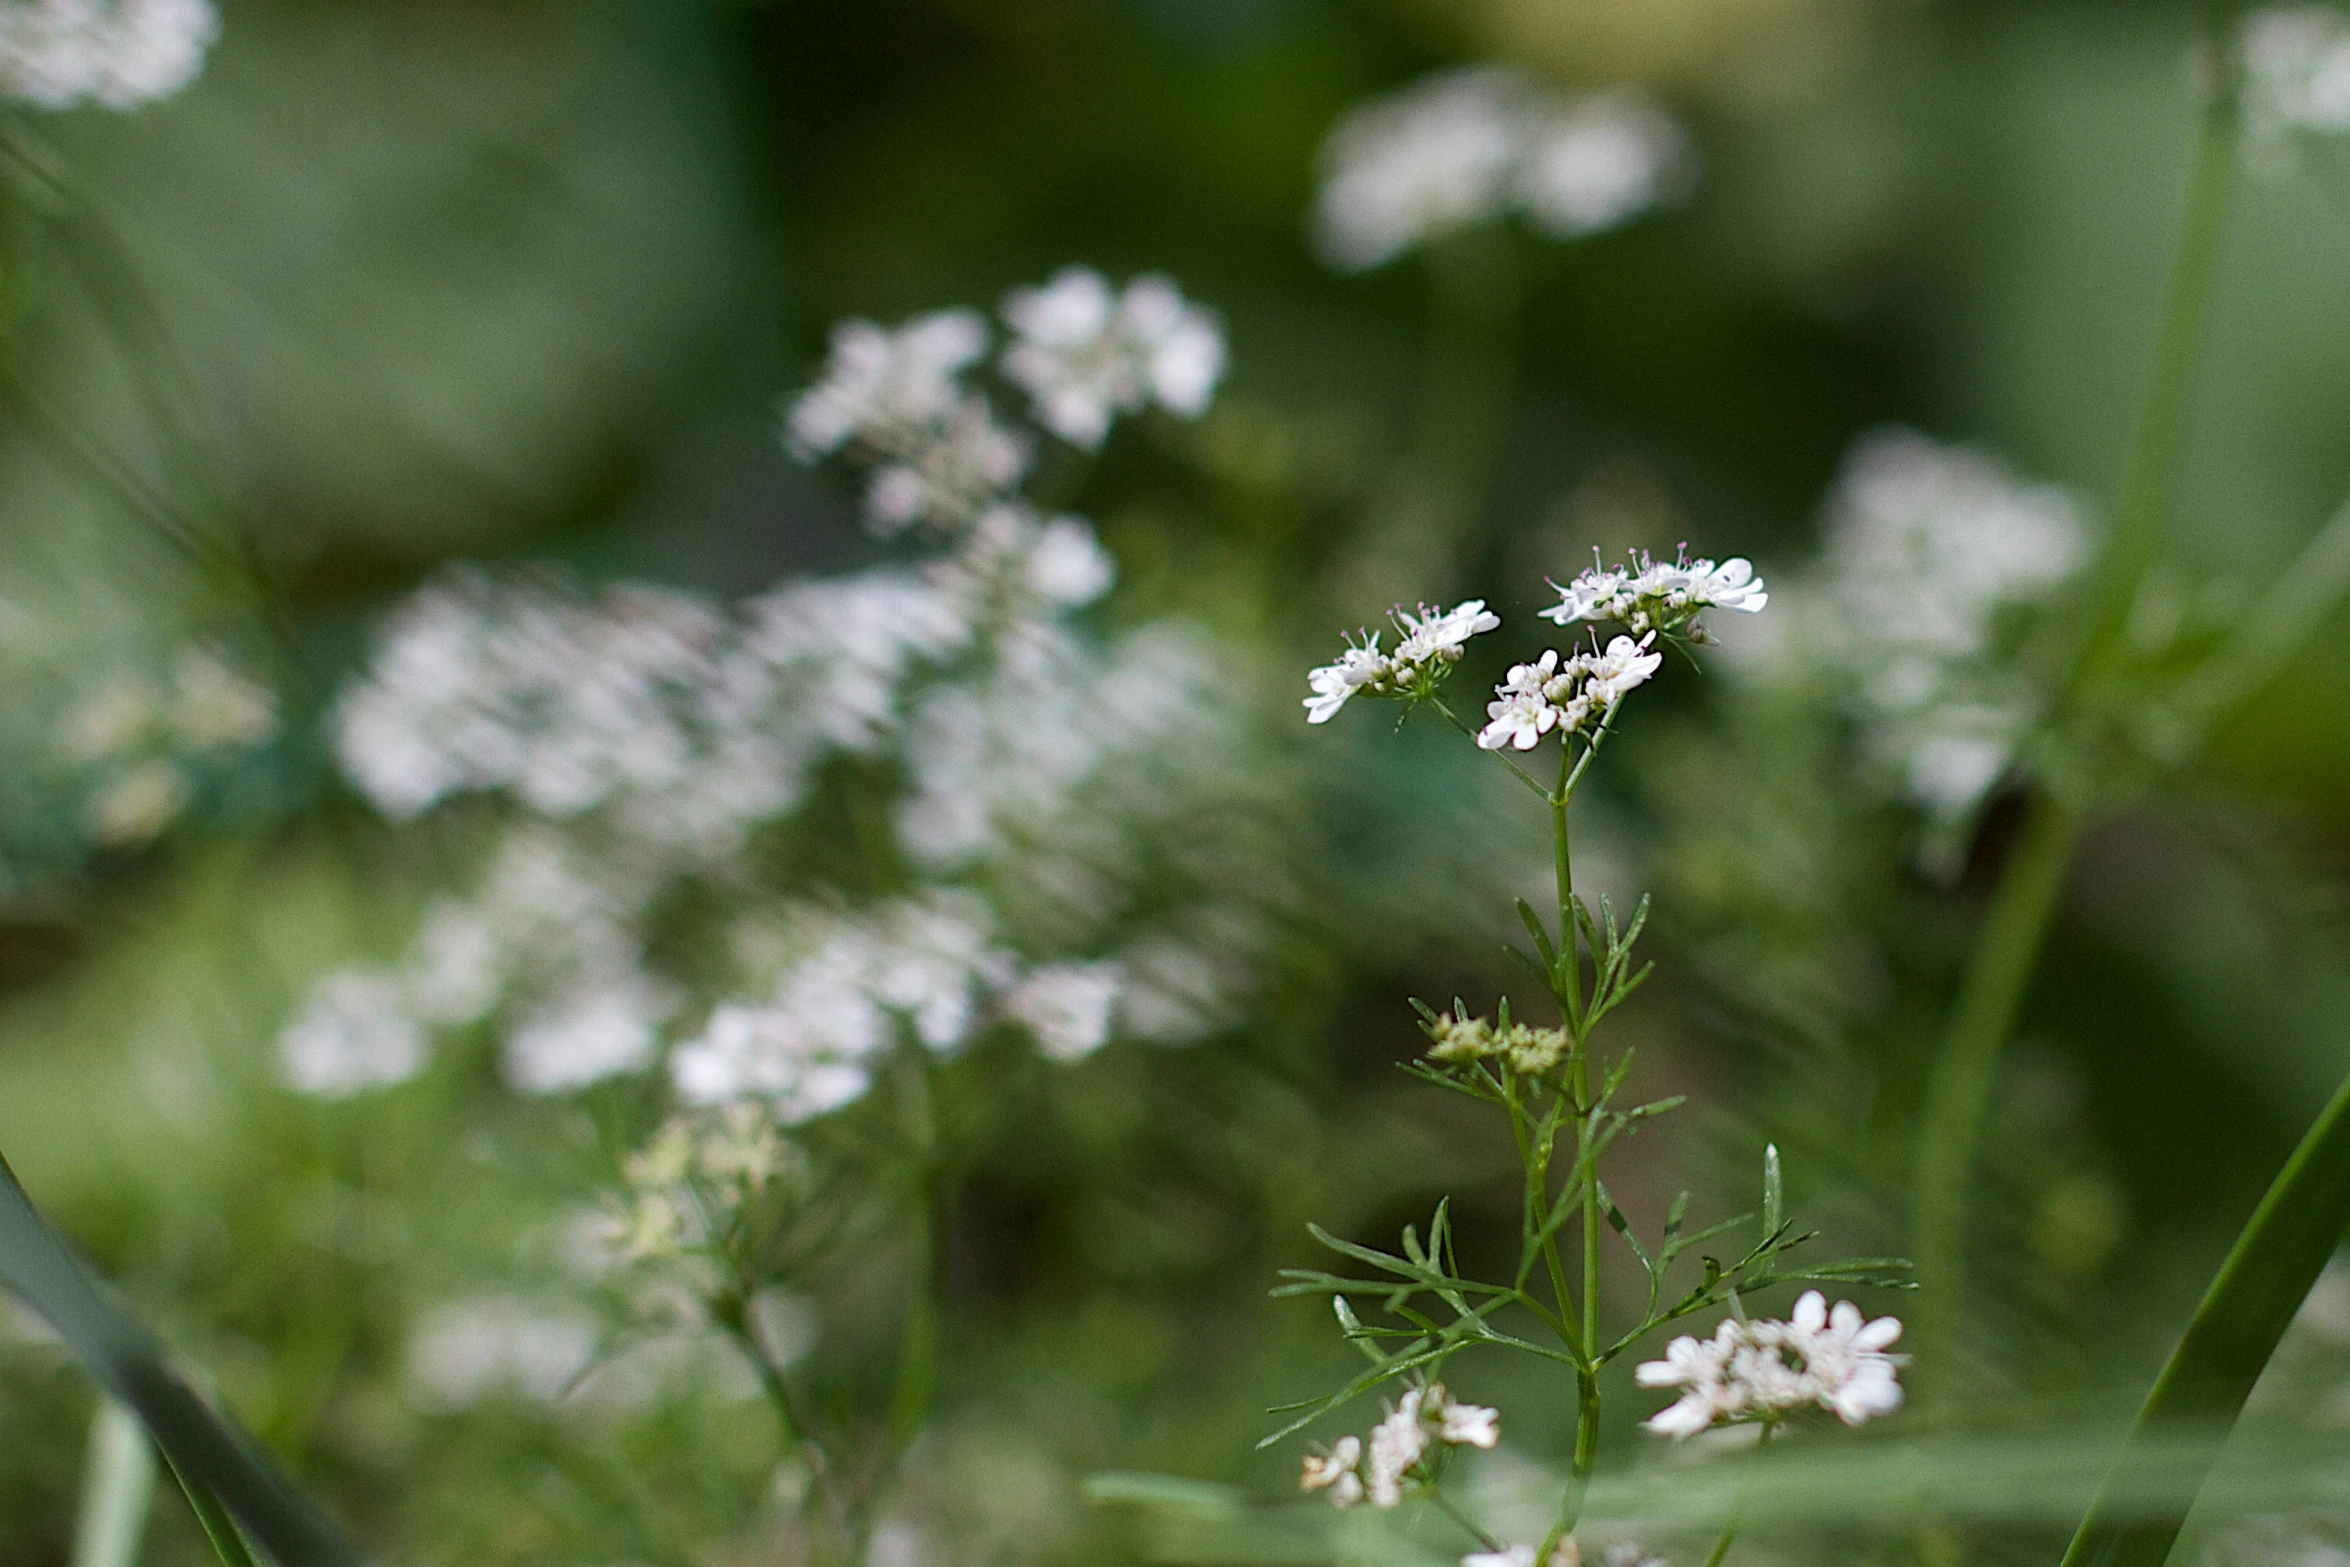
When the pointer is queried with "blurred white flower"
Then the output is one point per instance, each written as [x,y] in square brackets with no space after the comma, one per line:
[1398,1443]
[455,967]
[118,717]
[957,468]
[354,1033]
[2296,62]
[1509,1556]
[883,387]
[601,1026]
[465,1351]
[1418,164]
[118,54]
[1766,1369]
[1360,666]
[1592,164]
[1067,1006]
[1470,145]
[1086,354]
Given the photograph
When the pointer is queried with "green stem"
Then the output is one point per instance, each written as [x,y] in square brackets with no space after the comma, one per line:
[1445,1505]
[1966,1065]
[2158,442]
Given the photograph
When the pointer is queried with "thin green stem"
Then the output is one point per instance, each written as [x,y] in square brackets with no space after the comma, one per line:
[1444,1504]
[1966,1064]
[1523,776]
[2134,539]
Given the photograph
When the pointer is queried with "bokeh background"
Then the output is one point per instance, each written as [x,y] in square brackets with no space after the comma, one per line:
[401,283]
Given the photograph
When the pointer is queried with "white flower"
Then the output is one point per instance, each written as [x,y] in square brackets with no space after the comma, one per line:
[2296,61]
[1538,698]
[1337,1472]
[1626,665]
[1067,1006]
[456,965]
[1845,1358]
[1359,666]
[1085,354]
[115,53]
[1417,164]
[353,1034]
[468,1350]
[881,386]
[1432,634]
[1466,1425]
[1659,595]
[1768,1369]
[1469,146]
[1598,162]
[945,474]
[1397,1445]
[1512,1556]
[601,1026]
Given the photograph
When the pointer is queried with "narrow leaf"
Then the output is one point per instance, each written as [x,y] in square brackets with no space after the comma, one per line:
[209,1453]
[1534,928]
[2267,1274]
[1774,1190]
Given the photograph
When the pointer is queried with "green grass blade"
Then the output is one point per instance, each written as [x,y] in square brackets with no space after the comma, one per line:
[211,1455]
[2250,1303]
[118,1489]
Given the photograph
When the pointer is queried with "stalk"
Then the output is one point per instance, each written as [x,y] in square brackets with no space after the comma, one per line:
[1966,1065]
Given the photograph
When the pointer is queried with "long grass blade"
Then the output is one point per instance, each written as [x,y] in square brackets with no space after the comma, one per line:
[2234,1332]
[118,1489]
[209,1453]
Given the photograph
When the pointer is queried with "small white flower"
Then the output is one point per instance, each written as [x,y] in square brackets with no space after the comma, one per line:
[353,1034]
[1512,1556]
[602,1026]
[1398,1443]
[1767,1369]
[1417,164]
[216,707]
[1626,665]
[1086,354]
[1357,667]
[1431,633]
[1467,1425]
[138,804]
[1067,1006]
[1598,162]
[1659,595]
[2296,62]
[878,386]
[1337,1472]
[119,54]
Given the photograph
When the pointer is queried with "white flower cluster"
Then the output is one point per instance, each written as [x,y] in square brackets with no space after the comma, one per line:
[1767,1370]
[1554,695]
[1933,557]
[693,1165]
[1471,145]
[1567,1553]
[1649,595]
[118,54]
[1425,1419]
[645,736]
[1430,642]
[2296,64]
[140,737]
[1084,353]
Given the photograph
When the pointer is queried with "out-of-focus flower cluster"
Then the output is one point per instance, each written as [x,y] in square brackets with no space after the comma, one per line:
[1933,562]
[2296,77]
[1083,352]
[1051,804]
[118,54]
[1425,1422]
[143,741]
[1476,144]
[1766,1370]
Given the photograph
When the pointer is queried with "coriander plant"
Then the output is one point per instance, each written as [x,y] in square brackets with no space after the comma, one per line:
[1559,1089]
